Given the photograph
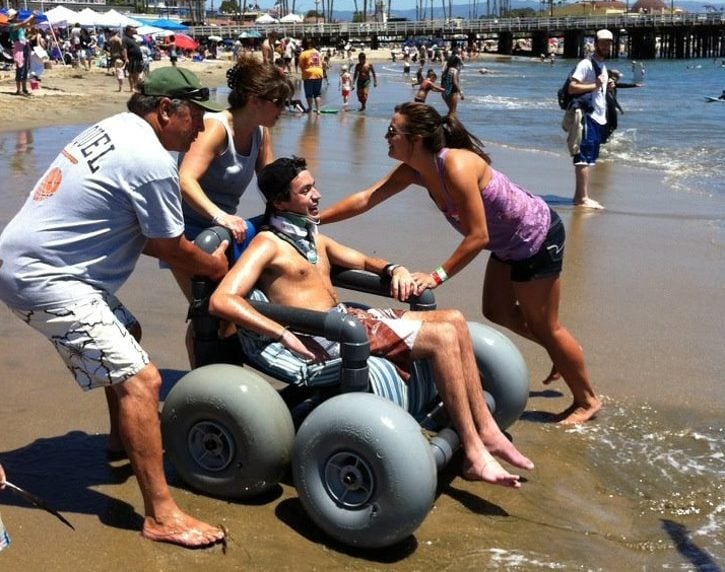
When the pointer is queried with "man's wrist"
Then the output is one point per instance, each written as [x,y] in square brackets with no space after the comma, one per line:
[390,268]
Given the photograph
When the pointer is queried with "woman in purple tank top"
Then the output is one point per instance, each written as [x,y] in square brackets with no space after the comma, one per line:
[521,285]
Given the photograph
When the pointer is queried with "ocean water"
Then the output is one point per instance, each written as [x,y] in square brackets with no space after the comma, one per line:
[640,489]
[667,125]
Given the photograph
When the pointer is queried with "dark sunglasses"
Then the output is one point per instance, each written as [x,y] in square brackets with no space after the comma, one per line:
[392,131]
[279,102]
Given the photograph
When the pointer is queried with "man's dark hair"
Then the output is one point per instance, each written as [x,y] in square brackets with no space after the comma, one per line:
[274,179]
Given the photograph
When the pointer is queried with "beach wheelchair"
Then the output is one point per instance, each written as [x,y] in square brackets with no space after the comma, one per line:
[364,446]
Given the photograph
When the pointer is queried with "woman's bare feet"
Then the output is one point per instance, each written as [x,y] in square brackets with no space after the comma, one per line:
[486,468]
[577,414]
[499,446]
[182,529]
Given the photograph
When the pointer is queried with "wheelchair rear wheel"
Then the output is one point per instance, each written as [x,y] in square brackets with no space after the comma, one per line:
[503,372]
[363,470]
[227,432]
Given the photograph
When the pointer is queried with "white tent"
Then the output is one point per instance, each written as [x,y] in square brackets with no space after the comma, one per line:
[61,16]
[89,17]
[114,19]
[291,18]
[265,19]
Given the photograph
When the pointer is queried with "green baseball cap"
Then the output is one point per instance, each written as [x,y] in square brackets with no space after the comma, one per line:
[178,83]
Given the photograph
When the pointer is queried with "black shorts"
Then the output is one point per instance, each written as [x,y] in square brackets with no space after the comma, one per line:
[547,262]
[134,66]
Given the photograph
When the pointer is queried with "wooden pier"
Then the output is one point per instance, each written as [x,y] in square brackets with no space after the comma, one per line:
[644,36]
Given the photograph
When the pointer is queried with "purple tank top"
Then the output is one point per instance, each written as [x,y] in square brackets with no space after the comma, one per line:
[517,221]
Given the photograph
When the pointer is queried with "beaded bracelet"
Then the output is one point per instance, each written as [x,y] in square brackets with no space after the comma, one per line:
[218,218]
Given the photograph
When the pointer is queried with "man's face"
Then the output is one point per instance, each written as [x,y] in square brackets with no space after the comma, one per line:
[304,197]
[182,125]
[603,48]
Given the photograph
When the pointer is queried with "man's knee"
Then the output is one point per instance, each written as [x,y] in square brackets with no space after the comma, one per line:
[145,384]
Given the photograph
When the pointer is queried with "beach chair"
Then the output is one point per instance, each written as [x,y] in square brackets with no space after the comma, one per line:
[351,429]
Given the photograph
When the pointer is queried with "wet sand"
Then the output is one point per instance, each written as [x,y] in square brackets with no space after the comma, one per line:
[638,488]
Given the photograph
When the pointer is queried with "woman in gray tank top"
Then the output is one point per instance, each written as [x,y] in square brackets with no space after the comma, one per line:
[234,145]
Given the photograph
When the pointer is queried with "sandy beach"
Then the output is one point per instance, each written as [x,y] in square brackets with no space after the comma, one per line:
[638,488]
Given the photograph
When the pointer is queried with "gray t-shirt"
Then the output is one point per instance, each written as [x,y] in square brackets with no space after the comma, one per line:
[87,219]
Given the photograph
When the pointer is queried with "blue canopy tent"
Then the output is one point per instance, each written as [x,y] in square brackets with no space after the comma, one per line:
[165,24]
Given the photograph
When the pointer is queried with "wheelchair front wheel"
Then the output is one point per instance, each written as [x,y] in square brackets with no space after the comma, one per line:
[227,432]
[363,470]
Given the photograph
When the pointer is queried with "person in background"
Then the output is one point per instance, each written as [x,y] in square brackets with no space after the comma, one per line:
[234,145]
[345,84]
[427,85]
[310,63]
[361,78]
[290,262]
[590,77]
[450,82]
[132,56]
[120,72]
[521,287]
[21,49]
[613,106]
[111,195]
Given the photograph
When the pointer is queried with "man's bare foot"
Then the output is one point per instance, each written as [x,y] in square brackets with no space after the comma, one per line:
[499,446]
[554,375]
[488,469]
[577,414]
[183,530]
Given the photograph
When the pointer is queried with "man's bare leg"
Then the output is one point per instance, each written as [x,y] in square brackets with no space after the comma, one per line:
[438,341]
[140,431]
[493,438]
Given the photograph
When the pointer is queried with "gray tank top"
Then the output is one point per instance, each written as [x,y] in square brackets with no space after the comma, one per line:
[228,175]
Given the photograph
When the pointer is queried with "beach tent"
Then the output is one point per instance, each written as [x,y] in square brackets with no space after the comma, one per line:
[89,17]
[61,16]
[114,19]
[291,19]
[165,24]
[265,19]
[250,34]
[145,30]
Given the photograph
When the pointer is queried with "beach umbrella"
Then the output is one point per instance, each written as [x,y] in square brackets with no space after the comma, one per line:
[182,41]
[291,19]
[215,38]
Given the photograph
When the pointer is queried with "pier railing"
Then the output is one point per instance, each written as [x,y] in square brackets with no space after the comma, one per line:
[484,26]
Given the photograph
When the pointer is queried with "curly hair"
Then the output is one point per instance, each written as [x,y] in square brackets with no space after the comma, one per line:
[438,132]
[251,77]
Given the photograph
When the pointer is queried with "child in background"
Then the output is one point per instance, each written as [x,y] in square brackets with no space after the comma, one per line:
[345,83]
[325,68]
[119,66]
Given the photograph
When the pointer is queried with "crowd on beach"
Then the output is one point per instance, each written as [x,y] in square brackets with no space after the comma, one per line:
[166,204]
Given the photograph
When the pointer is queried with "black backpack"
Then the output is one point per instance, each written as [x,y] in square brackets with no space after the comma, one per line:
[564,97]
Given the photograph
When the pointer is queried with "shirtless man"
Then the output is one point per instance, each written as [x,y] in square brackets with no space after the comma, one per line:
[428,84]
[290,262]
[361,78]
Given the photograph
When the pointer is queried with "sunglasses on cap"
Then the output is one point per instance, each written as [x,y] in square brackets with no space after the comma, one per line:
[201,94]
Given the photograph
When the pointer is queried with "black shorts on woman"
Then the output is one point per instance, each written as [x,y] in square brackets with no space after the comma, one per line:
[547,262]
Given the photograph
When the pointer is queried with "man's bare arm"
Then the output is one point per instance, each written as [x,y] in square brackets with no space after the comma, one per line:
[180,253]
